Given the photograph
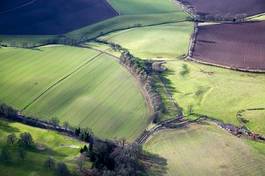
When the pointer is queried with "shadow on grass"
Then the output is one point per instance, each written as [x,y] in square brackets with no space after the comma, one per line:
[167,82]
[4,126]
[47,151]
[155,165]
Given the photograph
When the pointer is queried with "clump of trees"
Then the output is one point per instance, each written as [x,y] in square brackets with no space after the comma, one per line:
[111,158]
[85,135]
[7,111]
[21,144]
[60,169]
[185,70]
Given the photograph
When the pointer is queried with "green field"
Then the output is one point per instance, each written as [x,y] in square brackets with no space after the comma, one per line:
[26,73]
[126,7]
[206,150]
[256,120]
[259,17]
[61,148]
[166,41]
[73,85]
[216,92]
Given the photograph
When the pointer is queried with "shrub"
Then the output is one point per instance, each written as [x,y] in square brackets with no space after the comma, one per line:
[26,140]
[11,139]
[62,170]
[49,163]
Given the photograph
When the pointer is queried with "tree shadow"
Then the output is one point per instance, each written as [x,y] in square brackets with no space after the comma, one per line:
[167,82]
[4,126]
[35,49]
[48,152]
[155,165]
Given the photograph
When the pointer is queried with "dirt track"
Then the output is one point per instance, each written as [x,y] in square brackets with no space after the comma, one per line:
[237,46]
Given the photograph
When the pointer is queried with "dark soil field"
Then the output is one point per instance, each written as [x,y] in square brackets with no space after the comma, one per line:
[226,8]
[241,46]
[51,17]
[6,5]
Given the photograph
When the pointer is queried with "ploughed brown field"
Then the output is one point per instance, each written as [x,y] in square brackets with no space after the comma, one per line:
[226,7]
[241,46]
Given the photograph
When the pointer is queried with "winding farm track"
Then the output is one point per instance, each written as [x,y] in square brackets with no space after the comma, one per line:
[182,122]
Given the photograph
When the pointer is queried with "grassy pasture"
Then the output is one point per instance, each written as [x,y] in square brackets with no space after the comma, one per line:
[256,120]
[259,17]
[27,73]
[125,22]
[126,7]
[168,40]
[216,92]
[206,150]
[102,96]
[49,82]
[61,148]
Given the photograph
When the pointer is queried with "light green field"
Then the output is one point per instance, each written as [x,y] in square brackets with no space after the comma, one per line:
[144,6]
[169,40]
[126,22]
[259,17]
[26,73]
[216,92]
[61,148]
[100,95]
[256,120]
[206,150]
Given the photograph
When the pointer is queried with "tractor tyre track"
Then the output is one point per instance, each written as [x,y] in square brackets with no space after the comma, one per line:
[59,81]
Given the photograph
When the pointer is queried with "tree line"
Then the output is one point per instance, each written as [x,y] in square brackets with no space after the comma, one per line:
[144,72]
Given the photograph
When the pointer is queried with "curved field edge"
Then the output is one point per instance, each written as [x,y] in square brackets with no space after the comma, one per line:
[102,95]
[61,148]
[206,150]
